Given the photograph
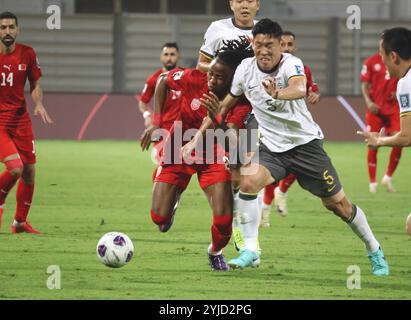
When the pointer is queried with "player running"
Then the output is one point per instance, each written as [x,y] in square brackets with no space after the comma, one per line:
[275,84]
[175,172]
[278,192]
[378,89]
[395,51]
[18,62]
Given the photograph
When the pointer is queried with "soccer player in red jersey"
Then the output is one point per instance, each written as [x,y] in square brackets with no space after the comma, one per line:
[174,175]
[169,57]
[378,89]
[278,192]
[18,62]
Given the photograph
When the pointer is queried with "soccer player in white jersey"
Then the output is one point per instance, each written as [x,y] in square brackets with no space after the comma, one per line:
[218,34]
[291,141]
[395,51]
[219,31]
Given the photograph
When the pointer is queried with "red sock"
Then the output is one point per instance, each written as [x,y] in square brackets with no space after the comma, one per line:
[268,194]
[221,231]
[372,164]
[24,197]
[394,160]
[286,183]
[159,220]
[7,182]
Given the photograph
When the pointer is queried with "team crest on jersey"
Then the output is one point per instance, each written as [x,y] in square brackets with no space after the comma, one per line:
[22,67]
[195,104]
[299,70]
[405,101]
[377,67]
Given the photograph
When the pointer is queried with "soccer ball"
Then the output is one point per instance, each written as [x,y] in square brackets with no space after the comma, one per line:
[408,224]
[115,249]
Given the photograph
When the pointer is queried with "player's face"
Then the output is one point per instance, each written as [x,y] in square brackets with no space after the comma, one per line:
[390,60]
[8,31]
[219,78]
[267,50]
[245,11]
[169,58]
[288,44]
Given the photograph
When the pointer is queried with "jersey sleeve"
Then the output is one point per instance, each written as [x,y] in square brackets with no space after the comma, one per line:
[311,84]
[403,96]
[237,86]
[211,41]
[294,68]
[34,70]
[366,71]
[148,90]
[239,113]
[181,80]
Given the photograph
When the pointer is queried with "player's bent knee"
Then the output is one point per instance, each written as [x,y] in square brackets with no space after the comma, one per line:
[15,167]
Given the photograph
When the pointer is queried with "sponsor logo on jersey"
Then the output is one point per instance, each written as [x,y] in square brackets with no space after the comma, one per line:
[8,67]
[405,101]
[22,67]
[195,104]
[175,94]
[178,75]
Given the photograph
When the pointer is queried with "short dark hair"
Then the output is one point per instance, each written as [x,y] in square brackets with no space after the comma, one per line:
[289,33]
[235,51]
[170,45]
[8,15]
[267,26]
[398,40]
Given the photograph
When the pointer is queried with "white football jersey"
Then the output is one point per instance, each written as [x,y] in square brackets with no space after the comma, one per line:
[284,124]
[404,94]
[219,31]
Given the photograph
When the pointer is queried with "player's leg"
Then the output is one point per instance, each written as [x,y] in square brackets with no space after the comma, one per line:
[357,221]
[237,231]
[374,124]
[169,184]
[281,194]
[392,127]
[321,179]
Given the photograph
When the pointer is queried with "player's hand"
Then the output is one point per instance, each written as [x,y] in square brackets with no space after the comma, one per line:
[149,136]
[188,149]
[270,86]
[39,110]
[374,109]
[312,96]
[211,102]
[372,137]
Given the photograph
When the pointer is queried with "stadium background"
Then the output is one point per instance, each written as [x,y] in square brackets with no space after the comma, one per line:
[96,64]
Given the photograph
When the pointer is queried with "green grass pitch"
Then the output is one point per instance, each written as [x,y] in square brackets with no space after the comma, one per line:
[85,189]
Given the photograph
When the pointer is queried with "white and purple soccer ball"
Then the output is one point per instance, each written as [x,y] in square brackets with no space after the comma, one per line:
[115,249]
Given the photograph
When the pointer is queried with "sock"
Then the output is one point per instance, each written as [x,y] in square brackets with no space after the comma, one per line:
[260,197]
[372,164]
[268,195]
[7,182]
[250,219]
[24,196]
[236,215]
[394,160]
[157,219]
[286,183]
[358,223]
[220,232]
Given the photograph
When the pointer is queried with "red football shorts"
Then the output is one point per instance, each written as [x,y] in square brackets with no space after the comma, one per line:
[180,174]
[391,123]
[18,140]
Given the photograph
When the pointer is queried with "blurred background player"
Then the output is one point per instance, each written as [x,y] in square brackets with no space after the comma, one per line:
[18,62]
[278,192]
[395,51]
[378,89]
[239,28]
[169,57]
[214,178]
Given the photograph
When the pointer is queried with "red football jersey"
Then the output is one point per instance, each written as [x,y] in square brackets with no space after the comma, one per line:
[383,87]
[16,67]
[171,108]
[311,84]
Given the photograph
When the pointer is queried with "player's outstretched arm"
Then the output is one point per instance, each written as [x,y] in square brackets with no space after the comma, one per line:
[37,96]
[401,139]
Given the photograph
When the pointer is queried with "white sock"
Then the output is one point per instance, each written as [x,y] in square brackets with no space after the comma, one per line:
[236,215]
[260,198]
[266,206]
[250,219]
[361,228]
